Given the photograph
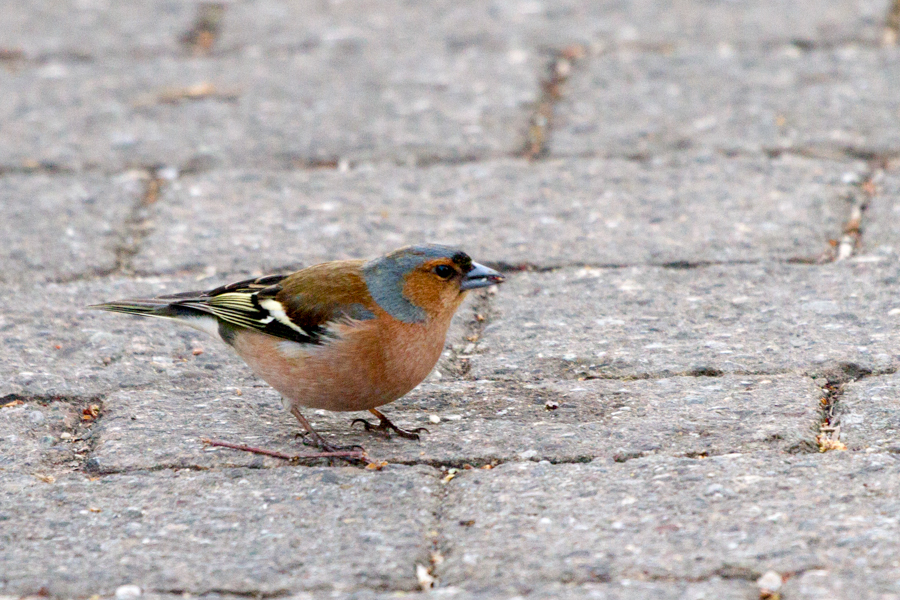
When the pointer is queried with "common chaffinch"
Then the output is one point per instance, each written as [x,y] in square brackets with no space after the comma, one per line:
[343,336]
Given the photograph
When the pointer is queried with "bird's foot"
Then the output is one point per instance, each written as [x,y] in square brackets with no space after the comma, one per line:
[311,438]
[385,426]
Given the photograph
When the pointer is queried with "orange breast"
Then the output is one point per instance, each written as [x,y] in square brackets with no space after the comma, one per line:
[371,363]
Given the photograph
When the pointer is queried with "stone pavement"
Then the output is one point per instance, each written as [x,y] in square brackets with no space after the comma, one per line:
[688,380]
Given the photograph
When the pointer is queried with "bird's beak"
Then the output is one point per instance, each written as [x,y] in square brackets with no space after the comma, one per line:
[480,276]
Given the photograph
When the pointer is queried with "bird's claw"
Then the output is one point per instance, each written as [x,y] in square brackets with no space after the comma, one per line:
[386,426]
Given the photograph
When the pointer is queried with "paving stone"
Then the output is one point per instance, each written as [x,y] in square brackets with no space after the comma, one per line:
[418,83]
[822,583]
[868,412]
[735,516]
[645,24]
[477,422]
[539,24]
[75,30]
[56,347]
[639,321]
[536,24]
[660,512]
[716,587]
[39,437]
[881,219]
[509,211]
[626,589]
[78,29]
[391,103]
[60,226]
[251,532]
[647,104]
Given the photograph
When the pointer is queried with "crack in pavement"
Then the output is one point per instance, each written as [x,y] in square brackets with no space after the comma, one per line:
[262,595]
[36,167]
[137,224]
[585,370]
[506,267]
[289,163]
[832,382]
[892,25]
[444,466]
[540,126]
[439,547]
[859,198]
[204,32]
[481,317]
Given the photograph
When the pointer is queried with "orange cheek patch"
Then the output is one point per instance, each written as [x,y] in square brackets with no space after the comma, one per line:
[430,293]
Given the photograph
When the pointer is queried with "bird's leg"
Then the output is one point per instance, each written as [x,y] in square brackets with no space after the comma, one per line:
[317,440]
[351,453]
[386,426]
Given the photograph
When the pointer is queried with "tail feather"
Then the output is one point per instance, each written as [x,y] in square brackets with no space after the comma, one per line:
[155,307]
[162,308]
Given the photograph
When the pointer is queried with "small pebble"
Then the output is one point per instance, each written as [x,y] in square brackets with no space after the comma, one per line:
[434,418]
[770,582]
[36,417]
[426,579]
[133,528]
[715,488]
[128,592]
[168,173]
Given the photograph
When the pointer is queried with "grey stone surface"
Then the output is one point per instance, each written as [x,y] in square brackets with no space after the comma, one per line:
[270,531]
[868,412]
[75,30]
[646,104]
[767,318]
[662,517]
[417,83]
[56,347]
[79,29]
[881,220]
[551,213]
[391,102]
[39,437]
[716,587]
[648,25]
[56,226]
[627,589]
[689,135]
[823,583]
[477,422]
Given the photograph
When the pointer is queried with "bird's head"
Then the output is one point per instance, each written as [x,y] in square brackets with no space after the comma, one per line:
[416,283]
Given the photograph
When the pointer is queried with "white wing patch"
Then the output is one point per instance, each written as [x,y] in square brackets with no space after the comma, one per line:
[276,310]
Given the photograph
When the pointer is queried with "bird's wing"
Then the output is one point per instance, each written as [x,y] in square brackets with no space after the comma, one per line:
[300,307]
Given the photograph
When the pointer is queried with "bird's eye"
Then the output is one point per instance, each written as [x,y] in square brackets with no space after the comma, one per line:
[444,271]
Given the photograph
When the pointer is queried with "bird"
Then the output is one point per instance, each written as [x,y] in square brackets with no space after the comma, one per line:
[347,335]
